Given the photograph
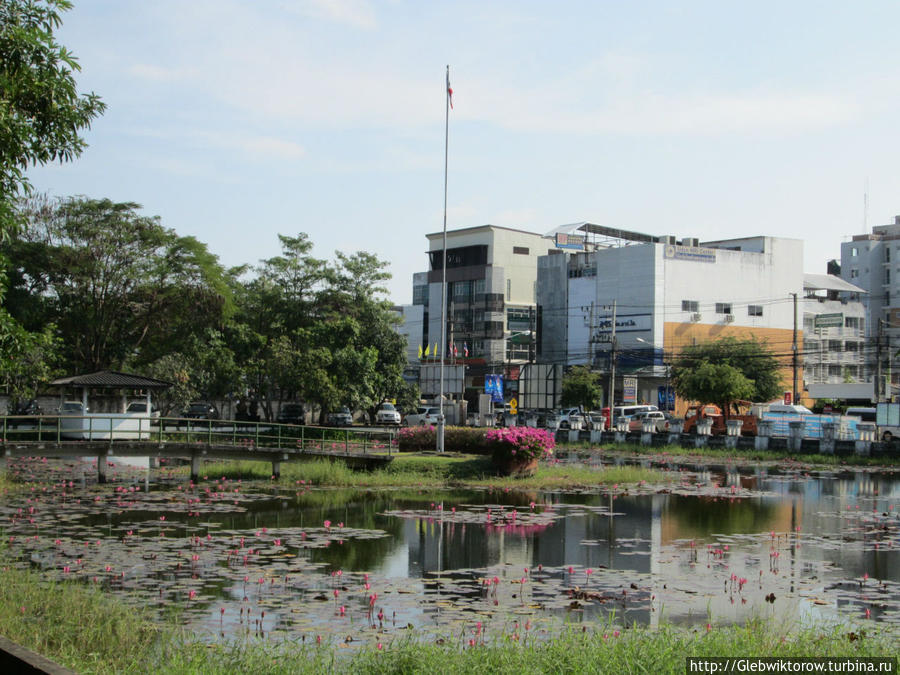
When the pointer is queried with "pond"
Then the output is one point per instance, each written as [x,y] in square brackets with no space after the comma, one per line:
[716,545]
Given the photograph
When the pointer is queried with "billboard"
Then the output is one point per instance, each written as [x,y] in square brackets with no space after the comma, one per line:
[493,385]
[430,380]
[540,386]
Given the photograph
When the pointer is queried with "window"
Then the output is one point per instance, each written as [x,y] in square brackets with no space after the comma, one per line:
[420,295]
[723,308]
[854,252]
[690,306]
[520,250]
[851,322]
[851,346]
[834,370]
[887,276]
[835,346]
[754,310]
[887,254]
[479,286]
[509,289]
[854,273]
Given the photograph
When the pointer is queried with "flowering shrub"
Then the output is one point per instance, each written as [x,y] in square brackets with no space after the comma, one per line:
[520,443]
[456,439]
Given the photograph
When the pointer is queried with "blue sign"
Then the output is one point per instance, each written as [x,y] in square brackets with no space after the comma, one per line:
[665,402]
[493,385]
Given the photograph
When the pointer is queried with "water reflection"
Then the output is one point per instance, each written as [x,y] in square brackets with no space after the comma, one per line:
[742,543]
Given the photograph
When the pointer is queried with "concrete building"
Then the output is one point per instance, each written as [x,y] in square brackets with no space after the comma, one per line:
[636,300]
[872,262]
[411,327]
[491,278]
[835,356]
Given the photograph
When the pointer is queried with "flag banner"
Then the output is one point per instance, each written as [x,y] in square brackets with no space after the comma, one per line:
[449,90]
[466,349]
[427,350]
[420,351]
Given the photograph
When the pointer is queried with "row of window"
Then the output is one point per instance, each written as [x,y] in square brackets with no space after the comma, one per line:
[721,308]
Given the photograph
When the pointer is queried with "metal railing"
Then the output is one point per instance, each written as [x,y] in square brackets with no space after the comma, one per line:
[163,430]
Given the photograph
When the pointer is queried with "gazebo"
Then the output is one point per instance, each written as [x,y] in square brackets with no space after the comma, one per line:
[106,380]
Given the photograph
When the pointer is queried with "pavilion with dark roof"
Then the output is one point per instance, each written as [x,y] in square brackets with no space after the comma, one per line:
[109,380]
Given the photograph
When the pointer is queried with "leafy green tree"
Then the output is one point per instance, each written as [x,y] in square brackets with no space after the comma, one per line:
[41,111]
[29,359]
[41,118]
[725,371]
[583,388]
[120,287]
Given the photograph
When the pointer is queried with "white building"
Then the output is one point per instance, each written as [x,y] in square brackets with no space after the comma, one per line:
[872,262]
[665,295]
[834,344]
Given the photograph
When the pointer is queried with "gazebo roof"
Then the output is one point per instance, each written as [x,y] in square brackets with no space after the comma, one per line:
[110,379]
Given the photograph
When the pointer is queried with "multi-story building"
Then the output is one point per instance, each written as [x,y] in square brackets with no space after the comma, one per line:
[835,353]
[491,277]
[632,302]
[872,262]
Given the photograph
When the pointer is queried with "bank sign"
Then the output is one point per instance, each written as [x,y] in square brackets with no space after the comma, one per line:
[625,323]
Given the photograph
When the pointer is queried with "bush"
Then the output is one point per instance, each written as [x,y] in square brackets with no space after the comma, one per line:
[456,439]
[520,443]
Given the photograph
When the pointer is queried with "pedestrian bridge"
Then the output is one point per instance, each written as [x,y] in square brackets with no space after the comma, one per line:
[123,435]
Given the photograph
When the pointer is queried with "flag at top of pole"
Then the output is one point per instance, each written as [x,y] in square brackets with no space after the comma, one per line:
[449,89]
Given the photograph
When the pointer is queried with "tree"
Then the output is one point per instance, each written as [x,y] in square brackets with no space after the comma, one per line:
[725,371]
[41,111]
[120,287]
[28,358]
[41,117]
[583,388]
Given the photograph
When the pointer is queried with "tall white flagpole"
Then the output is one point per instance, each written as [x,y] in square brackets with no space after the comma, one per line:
[443,347]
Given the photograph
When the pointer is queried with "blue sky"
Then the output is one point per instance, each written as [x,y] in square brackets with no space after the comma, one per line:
[236,120]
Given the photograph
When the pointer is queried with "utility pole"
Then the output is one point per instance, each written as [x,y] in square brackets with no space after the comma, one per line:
[612,365]
[878,361]
[794,350]
[591,338]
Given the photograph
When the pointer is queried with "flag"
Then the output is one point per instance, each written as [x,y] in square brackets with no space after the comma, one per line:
[455,353]
[427,350]
[435,352]
[449,90]
[466,349]
[420,351]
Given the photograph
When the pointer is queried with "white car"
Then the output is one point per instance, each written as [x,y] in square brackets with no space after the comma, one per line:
[423,415]
[387,414]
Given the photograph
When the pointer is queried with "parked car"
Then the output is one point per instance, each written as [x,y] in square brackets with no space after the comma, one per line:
[291,413]
[340,418]
[570,418]
[660,420]
[140,408]
[423,415]
[29,407]
[72,408]
[200,410]
[387,414]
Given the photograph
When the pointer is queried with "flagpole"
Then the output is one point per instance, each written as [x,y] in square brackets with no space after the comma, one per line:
[443,347]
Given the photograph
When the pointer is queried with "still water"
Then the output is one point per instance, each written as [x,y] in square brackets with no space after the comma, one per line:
[717,546]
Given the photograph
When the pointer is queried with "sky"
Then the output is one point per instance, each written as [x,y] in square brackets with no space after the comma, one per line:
[237,120]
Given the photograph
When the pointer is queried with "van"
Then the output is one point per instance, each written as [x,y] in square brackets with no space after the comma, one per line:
[630,411]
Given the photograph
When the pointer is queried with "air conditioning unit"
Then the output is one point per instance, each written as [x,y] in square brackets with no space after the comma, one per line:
[695,317]
[669,240]
[729,318]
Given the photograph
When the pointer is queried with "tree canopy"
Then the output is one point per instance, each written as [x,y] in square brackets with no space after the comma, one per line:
[41,112]
[582,387]
[725,371]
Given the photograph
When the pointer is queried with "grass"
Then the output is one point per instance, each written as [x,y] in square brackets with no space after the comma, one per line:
[77,626]
[82,629]
[437,471]
[725,454]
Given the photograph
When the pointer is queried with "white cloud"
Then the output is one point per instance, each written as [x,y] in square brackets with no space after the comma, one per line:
[156,73]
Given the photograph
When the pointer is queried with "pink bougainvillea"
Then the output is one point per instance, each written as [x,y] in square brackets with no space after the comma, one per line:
[520,442]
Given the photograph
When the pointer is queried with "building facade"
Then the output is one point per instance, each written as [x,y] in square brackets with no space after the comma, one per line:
[490,302]
[872,262]
[633,302]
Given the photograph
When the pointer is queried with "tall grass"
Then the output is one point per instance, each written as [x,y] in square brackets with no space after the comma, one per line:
[73,625]
[436,471]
